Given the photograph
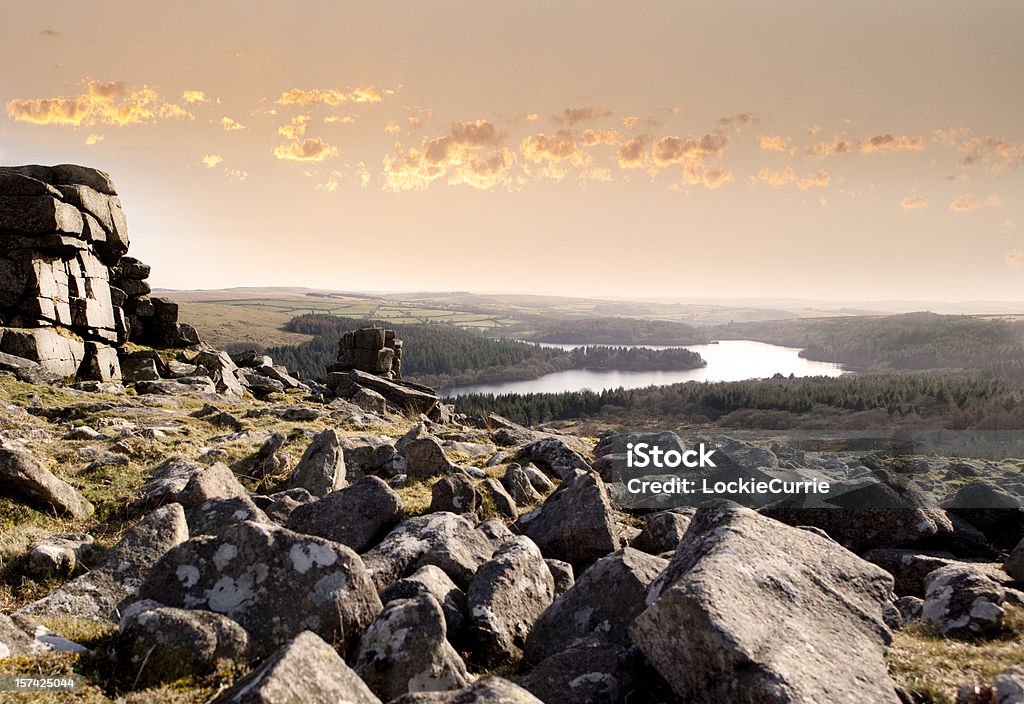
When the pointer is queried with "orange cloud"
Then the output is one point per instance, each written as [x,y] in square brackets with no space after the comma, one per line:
[230,125]
[1014,257]
[914,202]
[471,153]
[572,116]
[836,147]
[211,160]
[632,122]
[592,138]
[889,143]
[819,179]
[311,149]
[392,128]
[673,149]
[93,139]
[1009,225]
[296,128]
[105,103]
[329,97]
[632,154]
[236,174]
[715,178]
[554,154]
[965,204]
[194,96]
[774,143]
[746,118]
[778,179]
[993,201]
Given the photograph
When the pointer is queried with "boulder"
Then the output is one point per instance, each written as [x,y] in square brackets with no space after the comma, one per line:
[187,483]
[273,582]
[518,485]
[366,455]
[880,510]
[576,523]
[431,580]
[486,690]
[910,568]
[322,467]
[603,604]
[213,516]
[1014,564]
[554,455]
[961,601]
[538,479]
[370,400]
[15,642]
[750,610]
[455,493]
[1008,687]
[359,516]
[445,540]
[23,477]
[593,671]
[997,513]
[663,531]
[424,458]
[99,594]
[406,650]
[505,598]
[58,555]
[223,372]
[495,493]
[159,644]
[305,671]
[563,575]
[269,460]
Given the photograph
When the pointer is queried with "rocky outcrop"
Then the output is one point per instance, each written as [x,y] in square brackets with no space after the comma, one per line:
[68,296]
[371,350]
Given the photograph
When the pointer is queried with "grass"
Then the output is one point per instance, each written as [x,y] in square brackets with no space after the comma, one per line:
[936,667]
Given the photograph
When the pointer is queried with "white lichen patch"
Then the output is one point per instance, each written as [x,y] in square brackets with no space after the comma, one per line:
[306,556]
[227,594]
[225,554]
[188,575]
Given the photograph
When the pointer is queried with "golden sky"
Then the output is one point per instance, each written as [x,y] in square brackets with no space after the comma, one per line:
[812,149]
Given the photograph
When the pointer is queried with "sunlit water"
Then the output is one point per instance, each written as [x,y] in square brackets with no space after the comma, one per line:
[728,360]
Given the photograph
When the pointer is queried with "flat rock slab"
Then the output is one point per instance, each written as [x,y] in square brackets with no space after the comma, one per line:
[23,477]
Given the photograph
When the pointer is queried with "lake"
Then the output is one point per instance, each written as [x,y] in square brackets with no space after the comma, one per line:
[728,360]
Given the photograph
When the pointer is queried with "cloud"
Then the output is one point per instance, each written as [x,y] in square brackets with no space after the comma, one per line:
[632,154]
[194,96]
[592,138]
[965,204]
[746,118]
[93,138]
[230,125]
[572,116]
[364,174]
[715,178]
[632,122]
[472,153]
[1009,225]
[815,130]
[330,97]
[211,160]
[343,119]
[296,128]
[778,179]
[818,179]
[773,143]
[950,137]
[673,149]
[392,128]
[914,202]
[993,201]
[889,143]
[235,174]
[1014,257]
[414,122]
[311,149]
[554,154]
[836,147]
[100,103]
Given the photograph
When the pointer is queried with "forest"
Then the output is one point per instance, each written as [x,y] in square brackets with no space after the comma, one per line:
[946,400]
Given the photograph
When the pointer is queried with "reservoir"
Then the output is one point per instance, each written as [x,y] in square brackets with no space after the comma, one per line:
[728,360]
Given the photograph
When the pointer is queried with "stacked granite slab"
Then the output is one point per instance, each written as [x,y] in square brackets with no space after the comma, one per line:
[371,350]
[62,234]
[151,320]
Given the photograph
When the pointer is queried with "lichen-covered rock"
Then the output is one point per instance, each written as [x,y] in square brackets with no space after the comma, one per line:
[576,523]
[504,504]
[321,469]
[555,456]
[563,575]
[358,516]
[274,582]
[910,568]
[305,671]
[445,540]
[213,516]
[593,671]
[752,611]
[663,531]
[603,604]
[159,644]
[431,580]
[963,602]
[23,477]
[505,598]
[517,484]
[406,650]
[101,592]
[425,458]
[455,493]
[59,554]
[186,483]
[486,690]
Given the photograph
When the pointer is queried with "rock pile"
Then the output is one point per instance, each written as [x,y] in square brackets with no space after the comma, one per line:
[64,277]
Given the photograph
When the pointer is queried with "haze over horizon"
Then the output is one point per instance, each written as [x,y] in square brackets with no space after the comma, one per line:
[684,150]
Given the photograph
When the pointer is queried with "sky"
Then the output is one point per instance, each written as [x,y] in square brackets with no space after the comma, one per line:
[810,149]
